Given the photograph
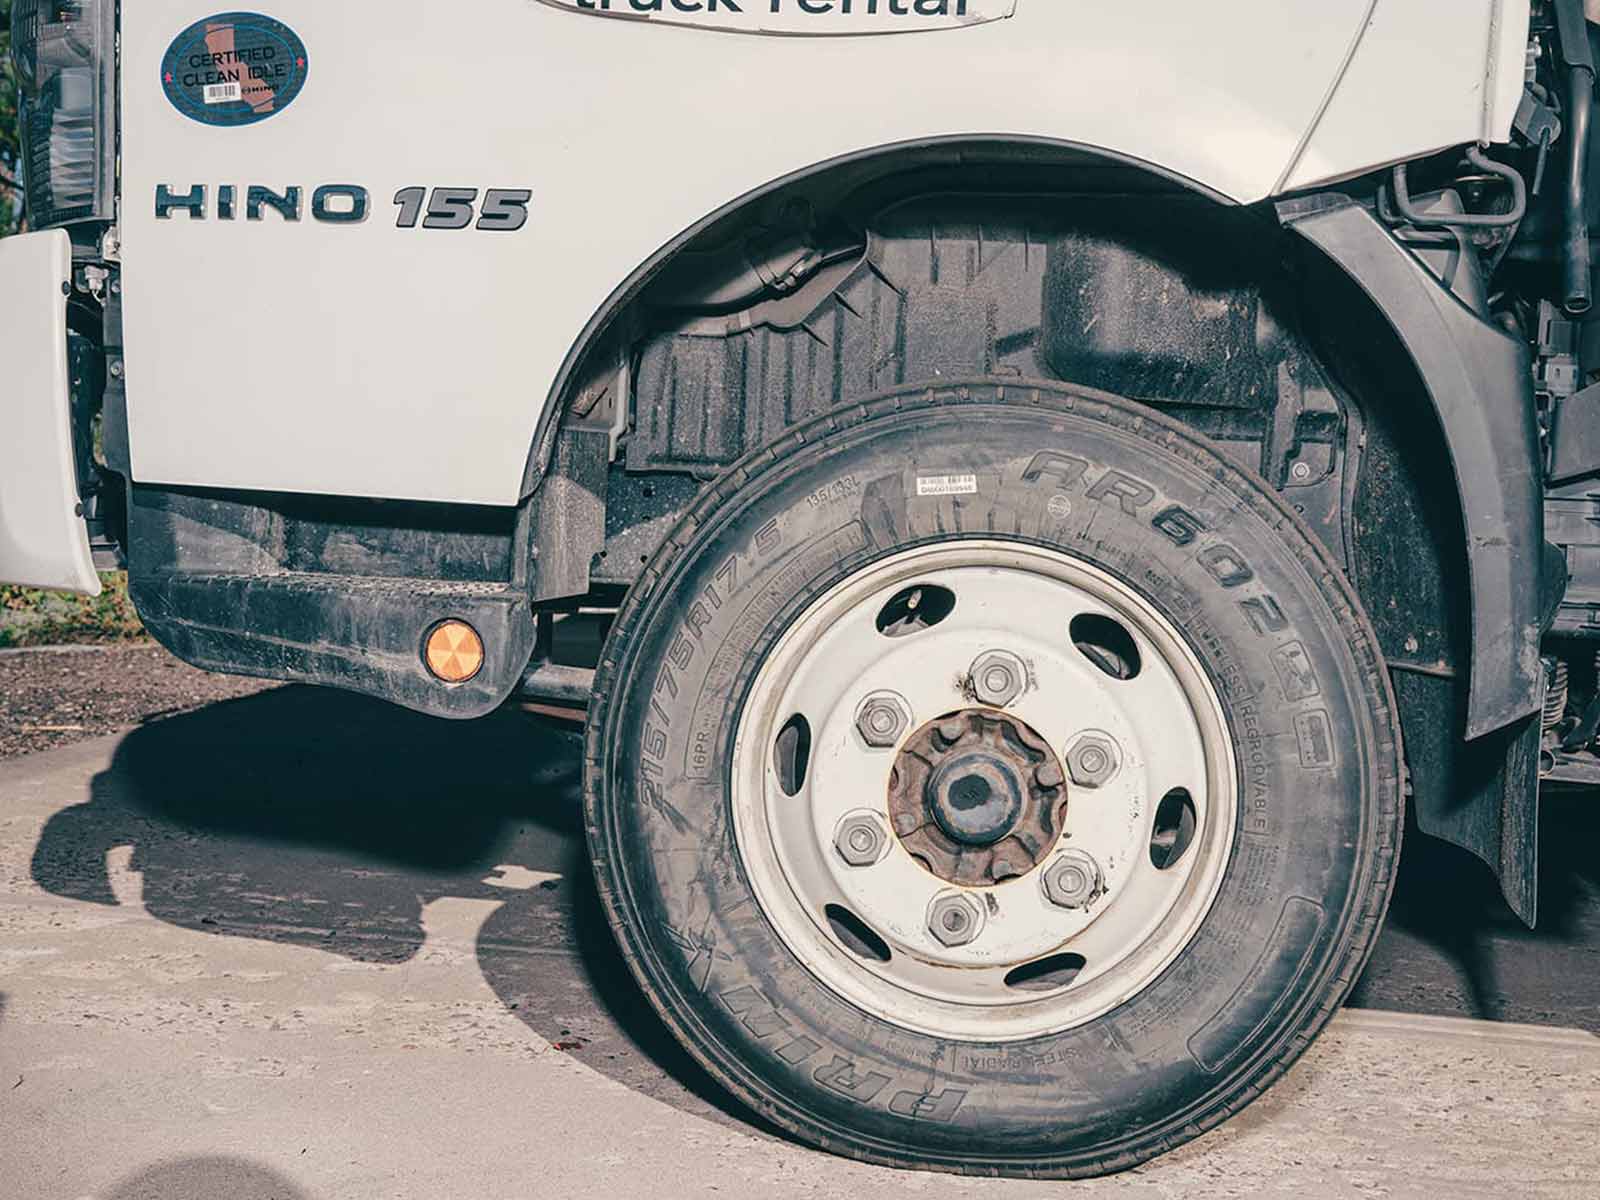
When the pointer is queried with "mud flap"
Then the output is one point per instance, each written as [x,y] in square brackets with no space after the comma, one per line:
[1484,796]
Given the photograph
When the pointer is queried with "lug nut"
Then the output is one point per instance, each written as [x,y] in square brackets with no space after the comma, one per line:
[998,677]
[955,919]
[882,718]
[860,839]
[1092,760]
[1072,881]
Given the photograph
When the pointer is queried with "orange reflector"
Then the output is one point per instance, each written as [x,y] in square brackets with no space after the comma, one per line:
[453,651]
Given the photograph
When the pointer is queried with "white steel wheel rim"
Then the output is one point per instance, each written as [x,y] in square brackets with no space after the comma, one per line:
[1166,723]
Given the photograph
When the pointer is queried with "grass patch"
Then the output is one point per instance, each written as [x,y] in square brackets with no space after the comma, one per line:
[29,617]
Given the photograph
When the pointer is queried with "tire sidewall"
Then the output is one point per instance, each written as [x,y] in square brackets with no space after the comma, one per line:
[1288,657]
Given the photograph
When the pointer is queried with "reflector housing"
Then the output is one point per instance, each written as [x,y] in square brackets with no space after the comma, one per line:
[65,52]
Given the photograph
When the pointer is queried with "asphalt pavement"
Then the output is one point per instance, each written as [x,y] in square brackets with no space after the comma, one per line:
[304,946]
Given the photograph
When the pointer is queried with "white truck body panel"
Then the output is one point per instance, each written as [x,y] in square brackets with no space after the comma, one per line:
[366,360]
[1408,91]
[43,539]
[813,18]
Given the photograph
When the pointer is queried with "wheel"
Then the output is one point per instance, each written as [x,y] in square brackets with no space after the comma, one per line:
[992,778]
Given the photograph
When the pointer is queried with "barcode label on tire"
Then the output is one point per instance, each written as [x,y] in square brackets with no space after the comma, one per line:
[947,485]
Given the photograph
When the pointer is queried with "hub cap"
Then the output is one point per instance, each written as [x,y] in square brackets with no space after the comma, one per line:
[1077,822]
[977,797]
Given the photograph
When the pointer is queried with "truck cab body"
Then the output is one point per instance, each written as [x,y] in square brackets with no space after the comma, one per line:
[1060,480]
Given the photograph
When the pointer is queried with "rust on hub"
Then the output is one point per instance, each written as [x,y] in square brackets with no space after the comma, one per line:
[977,797]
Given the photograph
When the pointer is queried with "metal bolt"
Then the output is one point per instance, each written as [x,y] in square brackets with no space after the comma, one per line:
[860,839]
[998,677]
[1301,470]
[1072,880]
[955,919]
[882,718]
[1092,760]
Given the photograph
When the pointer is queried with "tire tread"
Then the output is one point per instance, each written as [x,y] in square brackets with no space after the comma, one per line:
[1373,889]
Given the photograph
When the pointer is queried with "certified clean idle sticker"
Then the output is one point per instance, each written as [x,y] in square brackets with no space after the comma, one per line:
[234,69]
[803,16]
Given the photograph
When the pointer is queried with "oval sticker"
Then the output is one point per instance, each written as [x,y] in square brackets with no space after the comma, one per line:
[234,69]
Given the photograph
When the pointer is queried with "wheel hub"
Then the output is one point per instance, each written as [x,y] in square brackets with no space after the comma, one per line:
[972,915]
[977,797]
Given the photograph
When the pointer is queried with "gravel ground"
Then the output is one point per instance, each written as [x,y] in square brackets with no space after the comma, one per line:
[52,698]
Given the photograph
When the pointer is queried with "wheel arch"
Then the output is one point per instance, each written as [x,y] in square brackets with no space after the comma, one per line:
[854,169]
[1472,375]
[1477,379]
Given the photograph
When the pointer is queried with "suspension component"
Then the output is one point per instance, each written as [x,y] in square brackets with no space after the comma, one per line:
[1555,692]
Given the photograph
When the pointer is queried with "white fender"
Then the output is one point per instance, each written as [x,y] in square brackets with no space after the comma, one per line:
[364,359]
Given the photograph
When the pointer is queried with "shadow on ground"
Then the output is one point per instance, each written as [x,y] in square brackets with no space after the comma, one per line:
[321,819]
[1451,946]
[206,1178]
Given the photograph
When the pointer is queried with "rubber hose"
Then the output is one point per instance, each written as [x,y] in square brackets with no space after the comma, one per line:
[1577,268]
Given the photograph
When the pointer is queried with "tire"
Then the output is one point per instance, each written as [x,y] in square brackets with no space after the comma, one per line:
[1301,851]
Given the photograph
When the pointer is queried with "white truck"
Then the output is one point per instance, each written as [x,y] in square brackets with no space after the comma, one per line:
[1063,479]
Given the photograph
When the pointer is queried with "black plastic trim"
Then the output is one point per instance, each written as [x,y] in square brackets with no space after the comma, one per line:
[1478,379]
[955,145]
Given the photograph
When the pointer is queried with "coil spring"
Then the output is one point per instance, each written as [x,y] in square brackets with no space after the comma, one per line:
[1555,692]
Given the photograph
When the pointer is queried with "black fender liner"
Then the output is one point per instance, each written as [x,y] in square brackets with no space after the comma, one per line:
[1483,797]
[1478,379]
[862,166]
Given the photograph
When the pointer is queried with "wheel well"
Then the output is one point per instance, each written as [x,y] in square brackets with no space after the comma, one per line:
[1015,259]
[853,186]
[962,261]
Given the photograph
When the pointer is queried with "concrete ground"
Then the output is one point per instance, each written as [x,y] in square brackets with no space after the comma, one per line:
[304,947]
